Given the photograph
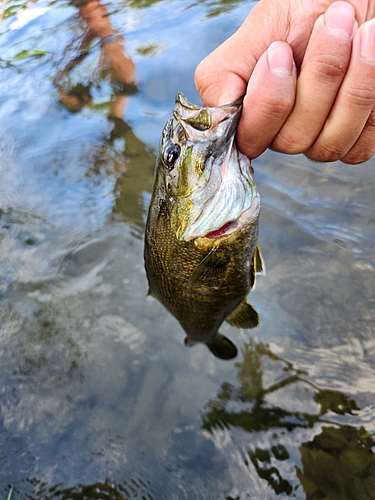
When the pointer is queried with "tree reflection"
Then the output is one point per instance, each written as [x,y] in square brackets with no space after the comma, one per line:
[137,487]
[252,390]
[337,464]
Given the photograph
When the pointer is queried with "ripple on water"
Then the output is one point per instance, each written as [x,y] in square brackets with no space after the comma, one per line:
[99,396]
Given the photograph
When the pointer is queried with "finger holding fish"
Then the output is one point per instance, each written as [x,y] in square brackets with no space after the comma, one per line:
[349,117]
[323,69]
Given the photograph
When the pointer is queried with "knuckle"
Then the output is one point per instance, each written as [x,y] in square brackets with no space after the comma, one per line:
[356,156]
[364,148]
[331,66]
[362,97]
[370,125]
[326,153]
[291,140]
[280,105]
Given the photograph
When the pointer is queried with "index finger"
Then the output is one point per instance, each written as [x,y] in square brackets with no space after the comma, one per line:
[222,77]
[269,99]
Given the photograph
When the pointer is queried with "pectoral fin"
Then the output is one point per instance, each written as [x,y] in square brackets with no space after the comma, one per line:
[257,266]
[212,266]
[244,316]
[260,268]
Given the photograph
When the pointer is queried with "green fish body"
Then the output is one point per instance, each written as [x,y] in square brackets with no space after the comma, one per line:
[201,253]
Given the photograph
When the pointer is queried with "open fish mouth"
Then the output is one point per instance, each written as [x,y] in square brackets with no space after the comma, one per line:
[215,190]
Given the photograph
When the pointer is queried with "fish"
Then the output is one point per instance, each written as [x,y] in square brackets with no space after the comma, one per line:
[201,253]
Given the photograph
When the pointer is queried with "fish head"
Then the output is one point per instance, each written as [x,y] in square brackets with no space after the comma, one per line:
[208,182]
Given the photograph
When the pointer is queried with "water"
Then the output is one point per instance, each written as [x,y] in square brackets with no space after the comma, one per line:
[99,396]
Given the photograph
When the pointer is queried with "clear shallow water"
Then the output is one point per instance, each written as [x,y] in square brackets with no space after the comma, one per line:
[99,397]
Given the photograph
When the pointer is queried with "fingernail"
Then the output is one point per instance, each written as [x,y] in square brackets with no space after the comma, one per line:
[280,58]
[368,41]
[339,19]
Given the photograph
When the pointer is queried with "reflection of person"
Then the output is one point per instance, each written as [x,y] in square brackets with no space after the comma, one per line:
[114,60]
[135,172]
[308,70]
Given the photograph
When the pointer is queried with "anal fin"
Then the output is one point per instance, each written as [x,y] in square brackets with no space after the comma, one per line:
[243,316]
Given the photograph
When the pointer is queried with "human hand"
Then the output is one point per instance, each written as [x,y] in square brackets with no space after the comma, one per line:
[327,111]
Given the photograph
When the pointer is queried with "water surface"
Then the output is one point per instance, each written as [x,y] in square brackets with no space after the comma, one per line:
[99,397]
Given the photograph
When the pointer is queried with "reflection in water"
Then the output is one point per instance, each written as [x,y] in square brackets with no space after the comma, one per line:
[90,387]
[133,488]
[339,463]
[137,178]
[201,250]
[214,7]
[113,63]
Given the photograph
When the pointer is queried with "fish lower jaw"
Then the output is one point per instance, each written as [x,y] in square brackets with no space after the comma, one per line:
[228,231]
[224,231]
[230,227]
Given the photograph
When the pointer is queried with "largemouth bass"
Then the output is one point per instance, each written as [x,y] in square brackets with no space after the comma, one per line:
[201,253]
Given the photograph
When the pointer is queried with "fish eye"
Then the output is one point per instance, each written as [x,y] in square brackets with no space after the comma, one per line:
[171,155]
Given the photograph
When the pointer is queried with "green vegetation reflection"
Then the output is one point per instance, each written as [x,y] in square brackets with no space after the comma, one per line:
[339,462]
[214,7]
[137,487]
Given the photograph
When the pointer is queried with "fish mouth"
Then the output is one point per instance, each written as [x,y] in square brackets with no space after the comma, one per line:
[216,185]
[200,123]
